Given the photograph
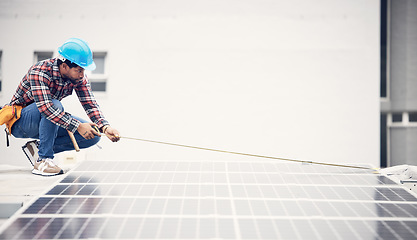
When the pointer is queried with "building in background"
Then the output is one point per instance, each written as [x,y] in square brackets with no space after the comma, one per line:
[265,77]
[398,82]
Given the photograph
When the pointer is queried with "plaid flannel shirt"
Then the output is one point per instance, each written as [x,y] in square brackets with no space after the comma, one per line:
[43,82]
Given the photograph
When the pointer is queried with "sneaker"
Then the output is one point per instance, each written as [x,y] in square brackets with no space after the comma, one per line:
[46,167]
[31,149]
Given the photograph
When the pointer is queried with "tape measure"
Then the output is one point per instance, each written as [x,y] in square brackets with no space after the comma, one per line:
[375,170]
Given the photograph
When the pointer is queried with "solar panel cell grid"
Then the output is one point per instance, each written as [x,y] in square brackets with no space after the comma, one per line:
[213,199]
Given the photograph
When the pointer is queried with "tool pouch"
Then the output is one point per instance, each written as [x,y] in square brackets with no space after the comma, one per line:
[9,115]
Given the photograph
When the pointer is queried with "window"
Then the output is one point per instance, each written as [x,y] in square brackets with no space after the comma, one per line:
[412,117]
[39,56]
[1,74]
[397,117]
[404,119]
[98,77]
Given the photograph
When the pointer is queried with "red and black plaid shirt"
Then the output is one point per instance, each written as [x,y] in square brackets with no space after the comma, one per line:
[43,82]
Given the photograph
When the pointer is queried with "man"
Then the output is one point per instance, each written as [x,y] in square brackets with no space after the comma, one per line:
[43,117]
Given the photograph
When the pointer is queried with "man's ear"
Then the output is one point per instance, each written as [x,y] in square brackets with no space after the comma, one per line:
[65,66]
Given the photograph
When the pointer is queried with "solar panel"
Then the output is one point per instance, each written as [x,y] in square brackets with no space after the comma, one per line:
[258,199]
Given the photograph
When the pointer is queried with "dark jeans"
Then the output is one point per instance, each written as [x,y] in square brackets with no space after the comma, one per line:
[52,138]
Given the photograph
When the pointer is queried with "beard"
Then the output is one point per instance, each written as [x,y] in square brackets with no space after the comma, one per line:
[74,81]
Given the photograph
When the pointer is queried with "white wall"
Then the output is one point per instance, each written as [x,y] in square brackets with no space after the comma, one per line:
[296,79]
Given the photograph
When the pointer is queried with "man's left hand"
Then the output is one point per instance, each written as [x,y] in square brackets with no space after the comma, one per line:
[112,134]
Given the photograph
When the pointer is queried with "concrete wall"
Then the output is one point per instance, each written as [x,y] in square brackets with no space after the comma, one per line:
[402,145]
[403,57]
[296,79]
[402,87]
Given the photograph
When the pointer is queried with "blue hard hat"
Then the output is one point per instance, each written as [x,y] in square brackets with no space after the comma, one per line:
[77,51]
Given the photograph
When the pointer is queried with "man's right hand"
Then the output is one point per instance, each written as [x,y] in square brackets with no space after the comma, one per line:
[87,131]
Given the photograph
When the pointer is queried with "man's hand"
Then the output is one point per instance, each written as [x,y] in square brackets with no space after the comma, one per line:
[111,133]
[87,131]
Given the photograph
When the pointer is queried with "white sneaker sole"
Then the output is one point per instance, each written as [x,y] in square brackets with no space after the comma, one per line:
[37,172]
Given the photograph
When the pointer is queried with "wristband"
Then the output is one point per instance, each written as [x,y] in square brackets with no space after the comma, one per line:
[105,128]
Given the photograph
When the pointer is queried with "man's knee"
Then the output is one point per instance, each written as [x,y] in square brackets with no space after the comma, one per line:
[88,143]
[92,142]
[58,104]
[96,139]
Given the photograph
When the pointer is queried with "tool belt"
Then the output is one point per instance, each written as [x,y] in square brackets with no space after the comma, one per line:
[9,115]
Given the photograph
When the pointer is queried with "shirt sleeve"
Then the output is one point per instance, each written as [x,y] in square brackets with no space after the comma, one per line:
[89,103]
[42,96]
